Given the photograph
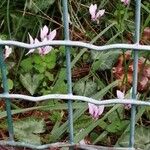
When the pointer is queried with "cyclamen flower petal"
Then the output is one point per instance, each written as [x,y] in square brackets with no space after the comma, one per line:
[45,50]
[31,42]
[95,14]
[92,108]
[126,2]
[52,35]
[8,51]
[44,32]
[36,41]
[100,13]
[100,109]
[31,39]
[95,110]
[92,10]
[120,94]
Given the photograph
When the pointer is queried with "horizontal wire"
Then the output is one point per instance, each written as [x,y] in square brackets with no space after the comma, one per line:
[60,144]
[77,44]
[74,97]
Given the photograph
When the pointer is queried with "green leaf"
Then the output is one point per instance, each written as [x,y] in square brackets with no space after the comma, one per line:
[50,60]
[79,87]
[117,115]
[142,138]
[25,130]
[26,64]
[139,114]
[104,60]
[31,83]
[3,36]
[100,137]
[91,88]
[10,84]
[85,87]
[51,57]
[83,122]
[117,126]
[102,92]
[59,87]
[58,132]
[40,68]
[62,49]
[82,134]
[56,116]
[98,95]
[37,59]
[49,75]
[46,107]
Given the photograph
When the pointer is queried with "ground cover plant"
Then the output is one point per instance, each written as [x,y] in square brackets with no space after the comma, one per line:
[100,75]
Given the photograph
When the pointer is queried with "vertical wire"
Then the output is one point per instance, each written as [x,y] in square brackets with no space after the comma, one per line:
[68,71]
[135,72]
[7,101]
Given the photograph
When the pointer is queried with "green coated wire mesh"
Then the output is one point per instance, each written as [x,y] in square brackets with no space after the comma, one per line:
[67,43]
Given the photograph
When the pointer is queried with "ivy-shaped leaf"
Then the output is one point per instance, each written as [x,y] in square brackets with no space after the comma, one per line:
[142,139]
[31,83]
[26,64]
[50,60]
[86,88]
[25,130]
[37,59]
[104,60]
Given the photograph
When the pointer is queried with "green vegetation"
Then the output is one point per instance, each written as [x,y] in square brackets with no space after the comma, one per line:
[95,74]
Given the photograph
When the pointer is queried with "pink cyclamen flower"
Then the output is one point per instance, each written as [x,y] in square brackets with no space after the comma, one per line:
[120,95]
[95,14]
[95,110]
[7,52]
[126,2]
[45,36]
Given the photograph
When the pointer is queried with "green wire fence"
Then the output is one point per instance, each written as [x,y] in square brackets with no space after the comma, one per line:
[70,97]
